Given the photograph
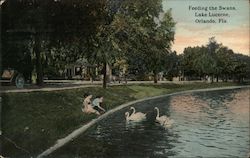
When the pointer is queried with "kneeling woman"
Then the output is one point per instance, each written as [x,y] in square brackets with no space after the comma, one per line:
[87,107]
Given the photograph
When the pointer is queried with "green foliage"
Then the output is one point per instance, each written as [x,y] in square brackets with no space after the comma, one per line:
[17,55]
[214,60]
[172,65]
[57,30]
[60,32]
[147,33]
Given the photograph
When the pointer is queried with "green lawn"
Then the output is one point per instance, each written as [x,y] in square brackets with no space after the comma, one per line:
[35,120]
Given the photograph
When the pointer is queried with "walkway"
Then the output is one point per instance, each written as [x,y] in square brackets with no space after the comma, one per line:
[55,85]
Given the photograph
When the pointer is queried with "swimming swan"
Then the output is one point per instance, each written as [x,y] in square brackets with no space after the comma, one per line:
[163,120]
[135,118]
[137,114]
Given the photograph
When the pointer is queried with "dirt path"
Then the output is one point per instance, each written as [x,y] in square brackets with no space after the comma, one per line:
[56,86]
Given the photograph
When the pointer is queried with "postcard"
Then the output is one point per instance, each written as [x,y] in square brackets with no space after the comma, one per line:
[124,78]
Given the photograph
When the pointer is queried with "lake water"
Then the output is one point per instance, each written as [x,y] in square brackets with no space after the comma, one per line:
[207,124]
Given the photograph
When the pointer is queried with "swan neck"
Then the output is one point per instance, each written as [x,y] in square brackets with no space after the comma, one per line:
[127,116]
[158,113]
[133,111]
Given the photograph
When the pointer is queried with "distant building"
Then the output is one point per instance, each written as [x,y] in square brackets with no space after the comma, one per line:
[81,69]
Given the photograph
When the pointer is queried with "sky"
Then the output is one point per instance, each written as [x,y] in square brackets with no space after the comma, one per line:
[234,33]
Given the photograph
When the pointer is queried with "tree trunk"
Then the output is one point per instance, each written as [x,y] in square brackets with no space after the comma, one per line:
[155,77]
[240,79]
[212,79]
[234,78]
[39,71]
[217,78]
[104,83]
[226,78]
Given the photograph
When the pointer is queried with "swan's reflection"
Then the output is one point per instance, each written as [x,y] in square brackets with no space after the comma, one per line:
[134,125]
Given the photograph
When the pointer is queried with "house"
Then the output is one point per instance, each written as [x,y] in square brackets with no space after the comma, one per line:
[81,69]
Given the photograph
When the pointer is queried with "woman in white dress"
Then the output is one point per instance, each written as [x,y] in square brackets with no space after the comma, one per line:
[87,107]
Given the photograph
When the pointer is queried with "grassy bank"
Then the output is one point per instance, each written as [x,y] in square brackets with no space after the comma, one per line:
[32,122]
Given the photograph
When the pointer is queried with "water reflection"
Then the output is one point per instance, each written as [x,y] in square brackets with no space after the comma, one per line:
[212,124]
[209,124]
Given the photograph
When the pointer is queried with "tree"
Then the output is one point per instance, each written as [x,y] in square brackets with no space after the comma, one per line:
[17,17]
[103,46]
[213,47]
[224,62]
[204,63]
[240,69]
[104,50]
[147,30]
[160,44]
[214,59]
[57,24]
[172,65]
[188,61]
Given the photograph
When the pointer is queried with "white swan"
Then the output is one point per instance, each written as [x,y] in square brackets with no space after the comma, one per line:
[137,114]
[163,120]
[135,118]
